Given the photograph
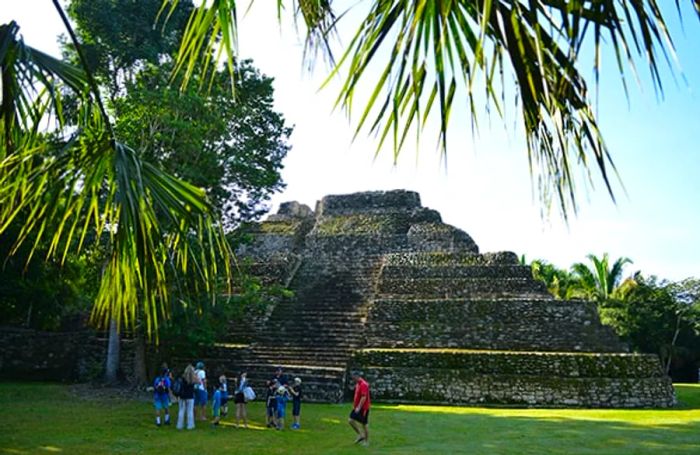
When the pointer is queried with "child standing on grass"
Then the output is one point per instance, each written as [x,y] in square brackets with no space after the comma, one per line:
[216,403]
[271,404]
[295,391]
[223,384]
[282,398]
[161,396]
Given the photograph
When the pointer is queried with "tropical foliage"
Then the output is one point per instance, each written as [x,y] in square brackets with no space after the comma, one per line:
[652,315]
[602,281]
[83,180]
[437,55]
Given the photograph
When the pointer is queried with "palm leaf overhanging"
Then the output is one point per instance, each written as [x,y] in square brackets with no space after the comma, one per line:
[442,52]
[79,182]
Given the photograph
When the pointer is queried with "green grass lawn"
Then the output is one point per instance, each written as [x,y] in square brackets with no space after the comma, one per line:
[48,418]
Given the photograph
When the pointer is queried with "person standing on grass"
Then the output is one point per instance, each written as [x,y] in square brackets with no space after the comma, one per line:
[161,396]
[240,400]
[200,392]
[216,401]
[223,385]
[186,399]
[271,404]
[282,398]
[295,391]
[359,415]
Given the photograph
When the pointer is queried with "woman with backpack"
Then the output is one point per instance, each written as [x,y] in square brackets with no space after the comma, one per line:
[185,391]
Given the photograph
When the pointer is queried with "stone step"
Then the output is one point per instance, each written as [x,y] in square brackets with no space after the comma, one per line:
[325,315]
[450,310]
[456,271]
[307,337]
[340,345]
[313,328]
[273,354]
[472,287]
[437,258]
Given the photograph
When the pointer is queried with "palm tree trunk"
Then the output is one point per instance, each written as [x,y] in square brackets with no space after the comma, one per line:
[112,364]
[140,373]
[673,343]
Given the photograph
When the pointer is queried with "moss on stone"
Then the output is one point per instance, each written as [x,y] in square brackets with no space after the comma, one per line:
[362,223]
[285,227]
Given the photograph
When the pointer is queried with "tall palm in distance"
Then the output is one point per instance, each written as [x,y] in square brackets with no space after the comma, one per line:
[601,281]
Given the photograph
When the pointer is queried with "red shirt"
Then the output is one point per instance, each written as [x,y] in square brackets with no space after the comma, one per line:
[361,389]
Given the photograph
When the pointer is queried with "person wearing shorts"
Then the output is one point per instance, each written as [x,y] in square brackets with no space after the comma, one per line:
[295,391]
[239,399]
[271,404]
[200,392]
[216,405]
[359,416]
[161,396]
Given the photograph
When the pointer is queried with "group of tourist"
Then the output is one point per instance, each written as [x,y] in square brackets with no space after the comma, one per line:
[190,390]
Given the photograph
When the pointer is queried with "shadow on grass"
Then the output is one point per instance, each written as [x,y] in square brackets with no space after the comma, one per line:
[69,426]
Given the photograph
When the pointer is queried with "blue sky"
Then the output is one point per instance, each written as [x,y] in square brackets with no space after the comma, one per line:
[485,189]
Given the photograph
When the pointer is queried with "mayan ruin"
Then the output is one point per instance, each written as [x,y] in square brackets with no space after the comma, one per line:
[380,283]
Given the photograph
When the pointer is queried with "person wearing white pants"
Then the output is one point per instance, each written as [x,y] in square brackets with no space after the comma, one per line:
[186,403]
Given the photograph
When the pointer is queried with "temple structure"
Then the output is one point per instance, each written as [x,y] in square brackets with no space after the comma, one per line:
[380,283]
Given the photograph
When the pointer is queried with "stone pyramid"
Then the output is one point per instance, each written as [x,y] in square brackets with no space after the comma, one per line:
[381,284]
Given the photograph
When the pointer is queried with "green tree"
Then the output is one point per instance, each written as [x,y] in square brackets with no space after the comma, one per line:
[655,317]
[558,281]
[234,151]
[89,181]
[118,37]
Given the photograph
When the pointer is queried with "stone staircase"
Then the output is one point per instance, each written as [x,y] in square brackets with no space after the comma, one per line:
[312,335]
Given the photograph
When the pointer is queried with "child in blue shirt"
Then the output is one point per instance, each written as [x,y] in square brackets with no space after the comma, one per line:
[282,398]
[161,397]
[216,403]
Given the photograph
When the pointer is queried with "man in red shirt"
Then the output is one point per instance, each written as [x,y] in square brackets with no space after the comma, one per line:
[360,408]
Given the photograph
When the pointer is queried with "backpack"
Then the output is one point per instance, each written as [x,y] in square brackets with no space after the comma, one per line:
[161,384]
[248,393]
[178,387]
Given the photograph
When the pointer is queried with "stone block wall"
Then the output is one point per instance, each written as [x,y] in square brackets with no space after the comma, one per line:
[541,379]
[547,325]
[58,356]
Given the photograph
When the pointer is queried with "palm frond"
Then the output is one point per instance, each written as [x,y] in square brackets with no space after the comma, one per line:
[29,79]
[212,31]
[319,21]
[81,180]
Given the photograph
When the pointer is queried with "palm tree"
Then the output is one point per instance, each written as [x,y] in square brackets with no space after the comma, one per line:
[80,182]
[601,282]
[438,53]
